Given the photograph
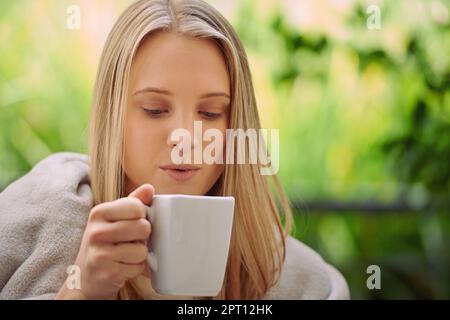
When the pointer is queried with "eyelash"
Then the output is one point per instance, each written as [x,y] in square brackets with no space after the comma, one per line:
[156,113]
[211,115]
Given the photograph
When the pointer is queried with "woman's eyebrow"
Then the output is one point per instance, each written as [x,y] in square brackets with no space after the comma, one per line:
[168,93]
[214,94]
[151,89]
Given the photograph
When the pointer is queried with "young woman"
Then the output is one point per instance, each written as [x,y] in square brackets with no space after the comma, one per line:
[165,65]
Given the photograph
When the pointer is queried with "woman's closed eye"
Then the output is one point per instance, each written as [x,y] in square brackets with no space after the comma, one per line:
[210,115]
[155,112]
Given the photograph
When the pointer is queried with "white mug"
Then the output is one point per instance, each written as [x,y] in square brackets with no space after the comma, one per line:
[189,243]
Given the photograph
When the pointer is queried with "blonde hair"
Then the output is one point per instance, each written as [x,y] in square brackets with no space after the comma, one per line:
[257,249]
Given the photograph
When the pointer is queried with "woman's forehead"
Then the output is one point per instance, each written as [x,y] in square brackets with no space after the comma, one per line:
[173,60]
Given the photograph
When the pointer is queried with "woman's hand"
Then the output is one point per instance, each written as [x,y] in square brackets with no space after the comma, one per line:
[113,249]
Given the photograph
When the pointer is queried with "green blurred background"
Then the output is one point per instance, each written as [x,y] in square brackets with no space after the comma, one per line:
[364,119]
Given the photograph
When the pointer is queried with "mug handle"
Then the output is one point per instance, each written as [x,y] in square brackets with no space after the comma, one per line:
[151,257]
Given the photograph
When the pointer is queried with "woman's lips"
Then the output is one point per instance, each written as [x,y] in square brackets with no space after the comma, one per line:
[180,174]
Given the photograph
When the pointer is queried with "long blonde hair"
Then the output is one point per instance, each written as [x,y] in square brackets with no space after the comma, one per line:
[257,249]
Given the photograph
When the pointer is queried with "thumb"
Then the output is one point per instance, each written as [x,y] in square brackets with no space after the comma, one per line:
[144,193]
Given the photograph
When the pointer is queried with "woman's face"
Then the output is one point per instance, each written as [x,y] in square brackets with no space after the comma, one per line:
[174,81]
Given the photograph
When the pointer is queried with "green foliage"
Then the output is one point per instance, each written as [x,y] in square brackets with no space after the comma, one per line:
[45,88]
[364,117]
[410,249]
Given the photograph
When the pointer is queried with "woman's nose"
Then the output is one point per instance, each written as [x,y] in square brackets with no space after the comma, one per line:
[185,130]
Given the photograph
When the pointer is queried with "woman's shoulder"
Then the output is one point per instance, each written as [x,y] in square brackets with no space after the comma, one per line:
[55,173]
[306,275]
[42,218]
[69,165]
[57,184]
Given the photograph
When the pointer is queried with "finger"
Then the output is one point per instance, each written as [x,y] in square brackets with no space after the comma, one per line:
[144,193]
[121,209]
[129,253]
[131,271]
[146,271]
[123,231]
